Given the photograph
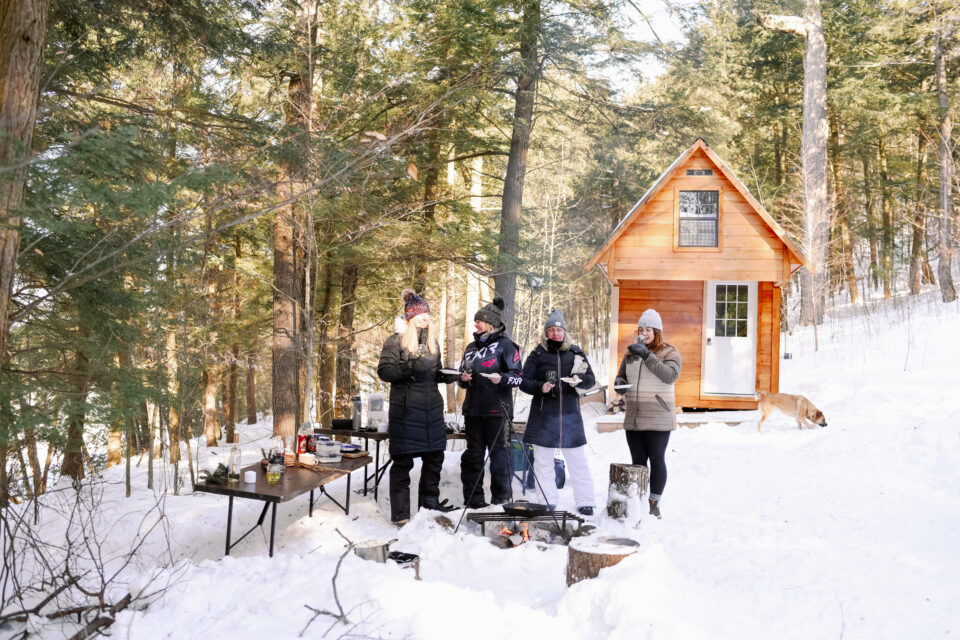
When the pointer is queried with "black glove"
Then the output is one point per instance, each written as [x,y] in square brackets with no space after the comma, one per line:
[405,369]
[639,349]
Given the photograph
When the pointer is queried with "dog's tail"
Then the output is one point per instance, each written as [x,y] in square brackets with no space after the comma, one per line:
[760,395]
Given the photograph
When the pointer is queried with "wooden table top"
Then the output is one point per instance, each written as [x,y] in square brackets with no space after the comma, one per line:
[293,482]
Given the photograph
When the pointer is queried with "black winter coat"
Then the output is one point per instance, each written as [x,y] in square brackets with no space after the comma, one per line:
[416,423]
[558,411]
[497,354]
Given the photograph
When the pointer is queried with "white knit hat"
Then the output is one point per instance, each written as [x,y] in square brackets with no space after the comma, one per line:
[650,318]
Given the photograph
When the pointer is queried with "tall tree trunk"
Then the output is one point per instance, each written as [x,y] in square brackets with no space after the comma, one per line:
[6,437]
[23,26]
[173,393]
[213,368]
[505,280]
[233,368]
[945,263]
[72,465]
[886,216]
[870,216]
[287,287]
[919,219]
[345,355]
[842,211]
[251,391]
[816,203]
[451,323]
[326,368]
[431,182]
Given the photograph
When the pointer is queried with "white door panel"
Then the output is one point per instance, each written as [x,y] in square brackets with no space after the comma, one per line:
[730,333]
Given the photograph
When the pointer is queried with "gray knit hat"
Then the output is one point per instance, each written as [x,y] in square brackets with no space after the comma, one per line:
[555,319]
[650,318]
[490,313]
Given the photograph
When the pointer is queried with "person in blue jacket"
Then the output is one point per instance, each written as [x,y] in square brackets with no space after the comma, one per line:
[551,374]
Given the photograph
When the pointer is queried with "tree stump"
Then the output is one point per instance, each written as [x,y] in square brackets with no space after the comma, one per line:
[628,484]
[587,555]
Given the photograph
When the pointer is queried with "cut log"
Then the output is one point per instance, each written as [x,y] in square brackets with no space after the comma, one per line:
[628,484]
[586,556]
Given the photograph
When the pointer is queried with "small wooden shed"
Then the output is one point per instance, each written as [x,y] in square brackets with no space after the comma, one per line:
[703,252]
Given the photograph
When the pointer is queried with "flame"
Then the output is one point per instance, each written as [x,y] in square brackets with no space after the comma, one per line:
[524,532]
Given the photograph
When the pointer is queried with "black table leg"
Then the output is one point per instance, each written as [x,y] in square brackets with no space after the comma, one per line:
[348,494]
[376,480]
[273,524]
[366,447]
[229,521]
[311,503]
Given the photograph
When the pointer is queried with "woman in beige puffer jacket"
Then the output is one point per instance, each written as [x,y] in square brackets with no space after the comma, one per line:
[650,368]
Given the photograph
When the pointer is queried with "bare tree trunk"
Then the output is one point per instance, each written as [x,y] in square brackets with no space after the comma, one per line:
[72,464]
[886,216]
[451,323]
[870,217]
[345,355]
[816,218]
[173,392]
[919,219]
[23,26]
[326,368]
[233,368]
[945,263]
[251,391]
[842,211]
[212,369]
[505,279]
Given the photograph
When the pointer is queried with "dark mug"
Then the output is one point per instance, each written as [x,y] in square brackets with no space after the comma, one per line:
[552,377]
[468,368]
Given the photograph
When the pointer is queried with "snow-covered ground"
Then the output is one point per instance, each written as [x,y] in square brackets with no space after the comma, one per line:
[848,531]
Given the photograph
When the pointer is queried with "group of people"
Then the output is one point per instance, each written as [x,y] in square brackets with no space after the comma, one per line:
[490,370]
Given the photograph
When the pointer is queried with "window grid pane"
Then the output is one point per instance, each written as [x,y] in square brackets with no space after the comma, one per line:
[731,311]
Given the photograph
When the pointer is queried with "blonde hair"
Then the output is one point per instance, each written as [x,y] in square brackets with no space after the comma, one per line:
[411,340]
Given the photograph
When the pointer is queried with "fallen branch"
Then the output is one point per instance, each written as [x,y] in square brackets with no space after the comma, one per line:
[338,617]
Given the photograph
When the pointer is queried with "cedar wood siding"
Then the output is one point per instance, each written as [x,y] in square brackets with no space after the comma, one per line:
[653,273]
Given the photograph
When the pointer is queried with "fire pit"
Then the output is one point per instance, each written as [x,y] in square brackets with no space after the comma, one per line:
[514,530]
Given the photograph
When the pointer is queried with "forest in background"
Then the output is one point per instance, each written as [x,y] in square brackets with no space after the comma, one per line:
[214,205]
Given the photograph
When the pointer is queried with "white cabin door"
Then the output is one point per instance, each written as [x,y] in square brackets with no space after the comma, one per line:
[730,333]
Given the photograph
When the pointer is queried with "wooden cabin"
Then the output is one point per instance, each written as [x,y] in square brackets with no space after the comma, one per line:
[703,252]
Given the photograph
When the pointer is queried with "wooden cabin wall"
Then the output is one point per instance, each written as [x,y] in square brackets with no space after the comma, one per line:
[749,248]
[680,305]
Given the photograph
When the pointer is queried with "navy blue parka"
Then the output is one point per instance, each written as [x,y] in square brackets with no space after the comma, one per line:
[557,411]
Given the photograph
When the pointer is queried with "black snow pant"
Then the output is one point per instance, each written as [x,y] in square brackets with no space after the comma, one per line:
[651,445]
[429,491]
[485,434]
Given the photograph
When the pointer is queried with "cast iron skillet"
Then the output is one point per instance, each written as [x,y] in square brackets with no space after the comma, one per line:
[524,508]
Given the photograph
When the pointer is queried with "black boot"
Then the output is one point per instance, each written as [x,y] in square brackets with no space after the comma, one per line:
[655,508]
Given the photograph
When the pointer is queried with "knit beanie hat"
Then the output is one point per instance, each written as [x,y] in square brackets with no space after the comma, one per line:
[413,304]
[555,319]
[490,313]
[650,318]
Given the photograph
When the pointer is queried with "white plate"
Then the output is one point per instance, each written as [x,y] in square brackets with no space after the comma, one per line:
[570,380]
[489,375]
[622,386]
[452,372]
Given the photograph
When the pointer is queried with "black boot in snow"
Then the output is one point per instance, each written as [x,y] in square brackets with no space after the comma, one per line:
[655,508]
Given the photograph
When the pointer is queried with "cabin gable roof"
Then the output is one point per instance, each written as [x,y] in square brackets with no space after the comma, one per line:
[601,254]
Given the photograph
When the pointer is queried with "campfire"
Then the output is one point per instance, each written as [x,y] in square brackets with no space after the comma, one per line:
[516,538]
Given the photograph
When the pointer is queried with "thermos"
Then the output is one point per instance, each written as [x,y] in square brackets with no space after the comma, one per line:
[357,413]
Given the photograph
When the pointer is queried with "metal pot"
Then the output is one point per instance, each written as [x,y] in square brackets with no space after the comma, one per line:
[374,550]
[524,508]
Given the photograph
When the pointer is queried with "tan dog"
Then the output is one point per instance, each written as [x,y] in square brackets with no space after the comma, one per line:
[797,406]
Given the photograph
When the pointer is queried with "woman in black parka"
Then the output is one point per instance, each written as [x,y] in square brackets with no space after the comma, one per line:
[410,362]
[554,421]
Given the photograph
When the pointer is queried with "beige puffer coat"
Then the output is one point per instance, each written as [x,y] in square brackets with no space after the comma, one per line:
[650,402]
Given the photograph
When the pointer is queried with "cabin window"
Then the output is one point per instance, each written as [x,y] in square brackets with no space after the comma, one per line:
[698,218]
[699,172]
[731,312]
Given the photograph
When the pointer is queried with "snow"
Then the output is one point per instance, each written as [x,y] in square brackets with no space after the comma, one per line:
[846,531]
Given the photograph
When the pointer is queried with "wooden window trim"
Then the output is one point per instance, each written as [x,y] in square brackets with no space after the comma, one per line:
[676,221]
